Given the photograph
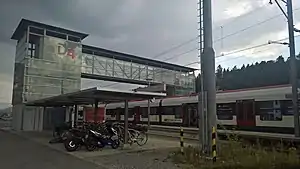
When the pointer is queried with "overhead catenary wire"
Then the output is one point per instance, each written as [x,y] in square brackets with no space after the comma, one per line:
[173,48]
[195,38]
[232,34]
[220,39]
[226,36]
[255,52]
[242,50]
[229,53]
[247,14]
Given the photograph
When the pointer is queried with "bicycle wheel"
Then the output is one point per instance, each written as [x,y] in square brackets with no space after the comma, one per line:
[142,138]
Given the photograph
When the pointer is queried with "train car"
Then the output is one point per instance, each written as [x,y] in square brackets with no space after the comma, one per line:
[267,109]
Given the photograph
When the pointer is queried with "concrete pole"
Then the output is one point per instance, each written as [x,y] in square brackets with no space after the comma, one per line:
[126,122]
[293,66]
[208,67]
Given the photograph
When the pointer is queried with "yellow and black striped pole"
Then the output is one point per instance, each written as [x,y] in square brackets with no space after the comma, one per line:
[214,145]
[181,140]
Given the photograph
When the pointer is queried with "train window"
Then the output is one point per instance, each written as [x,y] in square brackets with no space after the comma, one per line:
[287,107]
[153,110]
[269,111]
[168,110]
[144,111]
[130,113]
[178,112]
[193,113]
[111,112]
[225,111]
[118,111]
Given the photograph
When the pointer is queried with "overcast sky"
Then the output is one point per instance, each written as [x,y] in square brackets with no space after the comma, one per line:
[149,27]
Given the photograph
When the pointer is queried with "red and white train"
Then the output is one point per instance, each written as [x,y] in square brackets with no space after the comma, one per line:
[267,110]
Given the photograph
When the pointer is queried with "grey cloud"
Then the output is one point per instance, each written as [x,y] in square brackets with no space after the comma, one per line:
[7,58]
[140,27]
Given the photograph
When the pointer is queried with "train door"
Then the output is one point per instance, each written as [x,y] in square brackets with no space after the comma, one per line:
[245,113]
[159,111]
[189,115]
[193,115]
[137,114]
[185,115]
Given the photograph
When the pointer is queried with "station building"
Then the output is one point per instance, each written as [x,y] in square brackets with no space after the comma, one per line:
[51,61]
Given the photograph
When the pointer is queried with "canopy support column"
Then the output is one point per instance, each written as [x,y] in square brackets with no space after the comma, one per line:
[126,122]
[95,110]
[75,115]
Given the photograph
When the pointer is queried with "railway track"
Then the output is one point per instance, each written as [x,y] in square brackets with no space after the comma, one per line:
[170,132]
[191,134]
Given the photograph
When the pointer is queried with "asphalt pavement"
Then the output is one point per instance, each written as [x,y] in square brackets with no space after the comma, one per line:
[17,152]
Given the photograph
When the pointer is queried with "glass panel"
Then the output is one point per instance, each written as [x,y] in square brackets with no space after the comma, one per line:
[99,65]
[118,69]
[87,63]
[58,71]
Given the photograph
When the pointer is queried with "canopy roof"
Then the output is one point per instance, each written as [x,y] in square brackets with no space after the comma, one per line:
[90,96]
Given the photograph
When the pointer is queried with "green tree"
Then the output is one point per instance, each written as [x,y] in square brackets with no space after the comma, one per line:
[265,73]
[219,76]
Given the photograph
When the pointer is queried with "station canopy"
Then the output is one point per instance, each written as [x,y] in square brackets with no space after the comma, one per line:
[92,95]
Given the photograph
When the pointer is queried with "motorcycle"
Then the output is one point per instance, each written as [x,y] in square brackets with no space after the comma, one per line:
[101,140]
[77,138]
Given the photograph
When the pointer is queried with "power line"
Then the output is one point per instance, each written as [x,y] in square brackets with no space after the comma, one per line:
[186,52]
[175,47]
[232,34]
[222,38]
[252,26]
[260,51]
[244,49]
[247,14]
[242,30]
[195,38]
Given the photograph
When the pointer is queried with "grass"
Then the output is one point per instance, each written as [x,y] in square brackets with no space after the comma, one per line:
[235,155]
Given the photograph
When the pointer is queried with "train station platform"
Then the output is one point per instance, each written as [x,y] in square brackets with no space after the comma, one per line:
[155,153]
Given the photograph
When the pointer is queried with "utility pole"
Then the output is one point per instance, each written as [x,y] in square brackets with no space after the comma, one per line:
[293,74]
[293,66]
[208,72]
[202,106]
[200,88]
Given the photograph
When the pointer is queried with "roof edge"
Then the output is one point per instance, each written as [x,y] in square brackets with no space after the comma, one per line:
[26,22]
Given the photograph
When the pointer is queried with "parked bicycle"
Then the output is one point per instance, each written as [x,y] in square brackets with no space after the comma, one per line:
[136,134]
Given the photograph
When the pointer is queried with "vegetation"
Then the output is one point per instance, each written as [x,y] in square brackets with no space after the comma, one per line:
[265,73]
[234,155]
